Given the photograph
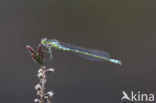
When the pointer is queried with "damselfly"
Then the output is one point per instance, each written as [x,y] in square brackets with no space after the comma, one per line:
[89,54]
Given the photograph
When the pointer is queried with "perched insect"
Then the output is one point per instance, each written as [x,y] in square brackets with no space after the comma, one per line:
[89,54]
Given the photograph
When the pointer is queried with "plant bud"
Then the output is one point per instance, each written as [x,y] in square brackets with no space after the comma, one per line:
[39,49]
[34,57]
[31,50]
[42,54]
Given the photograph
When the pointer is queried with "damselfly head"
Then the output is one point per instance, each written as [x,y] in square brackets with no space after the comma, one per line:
[49,43]
[44,41]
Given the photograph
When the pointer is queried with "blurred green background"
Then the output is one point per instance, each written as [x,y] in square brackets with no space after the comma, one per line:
[124,28]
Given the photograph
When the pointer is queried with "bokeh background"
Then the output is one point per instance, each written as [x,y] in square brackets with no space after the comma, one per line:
[124,28]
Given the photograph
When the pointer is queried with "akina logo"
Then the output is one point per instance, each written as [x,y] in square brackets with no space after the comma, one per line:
[137,96]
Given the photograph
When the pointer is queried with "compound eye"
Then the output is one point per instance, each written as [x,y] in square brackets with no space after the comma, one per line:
[48,45]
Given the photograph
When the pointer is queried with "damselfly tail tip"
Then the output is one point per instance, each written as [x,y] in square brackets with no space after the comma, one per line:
[120,63]
[116,61]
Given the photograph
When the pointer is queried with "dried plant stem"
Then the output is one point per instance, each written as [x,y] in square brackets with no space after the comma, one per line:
[40,87]
[43,82]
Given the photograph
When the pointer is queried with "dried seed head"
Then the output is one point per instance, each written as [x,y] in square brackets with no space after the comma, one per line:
[50,94]
[40,70]
[38,92]
[38,87]
[46,97]
[36,100]
[50,70]
[40,75]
